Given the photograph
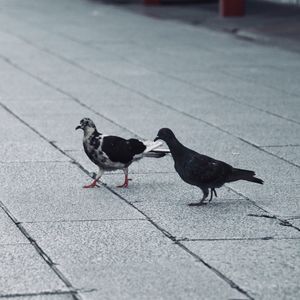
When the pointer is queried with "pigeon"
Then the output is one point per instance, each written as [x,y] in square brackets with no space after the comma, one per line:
[201,170]
[112,153]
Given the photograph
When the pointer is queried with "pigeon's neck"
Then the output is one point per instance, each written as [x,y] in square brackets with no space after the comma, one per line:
[176,148]
[88,131]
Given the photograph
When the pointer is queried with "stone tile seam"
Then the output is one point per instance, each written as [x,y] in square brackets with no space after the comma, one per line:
[150,99]
[163,231]
[46,50]
[83,220]
[46,293]
[266,85]
[64,153]
[282,221]
[95,73]
[74,99]
[42,254]
[279,146]
[266,238]
[155,71]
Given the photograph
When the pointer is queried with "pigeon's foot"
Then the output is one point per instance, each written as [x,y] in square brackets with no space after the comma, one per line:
[197,204]
[92,185]
[124,185]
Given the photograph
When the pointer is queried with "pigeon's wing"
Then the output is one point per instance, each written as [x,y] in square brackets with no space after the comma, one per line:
[121,150]
[202,169]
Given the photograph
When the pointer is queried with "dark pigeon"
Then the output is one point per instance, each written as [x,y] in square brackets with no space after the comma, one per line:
[201,170]
[112,153]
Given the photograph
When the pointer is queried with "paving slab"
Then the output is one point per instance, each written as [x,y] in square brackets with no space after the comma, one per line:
[9,232]
[164,199]
[266,269]
[296,222]
[290,153]
[24,271]
[53,192]
[56,120]
[20,143]
[266,129]
[137,263]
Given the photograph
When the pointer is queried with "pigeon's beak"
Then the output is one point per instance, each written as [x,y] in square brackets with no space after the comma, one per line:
[156,139]
[78,127]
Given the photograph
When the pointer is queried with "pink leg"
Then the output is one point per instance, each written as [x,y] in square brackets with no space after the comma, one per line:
[92,185]
[125,184]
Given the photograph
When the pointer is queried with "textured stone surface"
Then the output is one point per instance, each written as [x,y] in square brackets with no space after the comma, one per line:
[42,194]
[267,269]
[229,98]
[164,199]
[24,271]
[10,234]
[127,260]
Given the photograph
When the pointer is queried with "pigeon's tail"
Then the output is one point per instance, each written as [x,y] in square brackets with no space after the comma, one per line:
[157,153]
[150,145]
[240,174]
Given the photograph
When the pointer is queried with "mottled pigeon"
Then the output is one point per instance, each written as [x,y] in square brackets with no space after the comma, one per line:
[111,153]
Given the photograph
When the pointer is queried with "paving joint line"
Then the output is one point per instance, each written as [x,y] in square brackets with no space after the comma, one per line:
[266,238]
[83,220]
[162,230]
[42,254]
[89,45]
[161,73]
[282,221]
[75,99]
[39,250]
[212,125]
[16,295]
[144,96]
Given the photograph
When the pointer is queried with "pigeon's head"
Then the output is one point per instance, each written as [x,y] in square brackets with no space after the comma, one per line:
[86,123]
[166,135]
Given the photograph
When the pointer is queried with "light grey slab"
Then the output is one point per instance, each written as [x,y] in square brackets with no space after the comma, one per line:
[270,76]
[9,232]
[20,143]
[56,120]
[290,153]
[13,131]
[296,222]
[29,152]
[164,198]
[17,85]
[242,90]
[127,260]
[253,125]
[24,271]
[54,191]
[266,269]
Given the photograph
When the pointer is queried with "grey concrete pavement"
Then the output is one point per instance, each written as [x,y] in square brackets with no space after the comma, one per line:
[232,99]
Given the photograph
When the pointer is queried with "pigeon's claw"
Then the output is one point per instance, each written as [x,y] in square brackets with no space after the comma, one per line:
[92,185]
[125,184]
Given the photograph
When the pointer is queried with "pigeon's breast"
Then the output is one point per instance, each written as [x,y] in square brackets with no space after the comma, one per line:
[99,158]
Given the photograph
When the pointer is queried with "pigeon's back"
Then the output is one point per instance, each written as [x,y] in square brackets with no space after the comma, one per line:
[201,170]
